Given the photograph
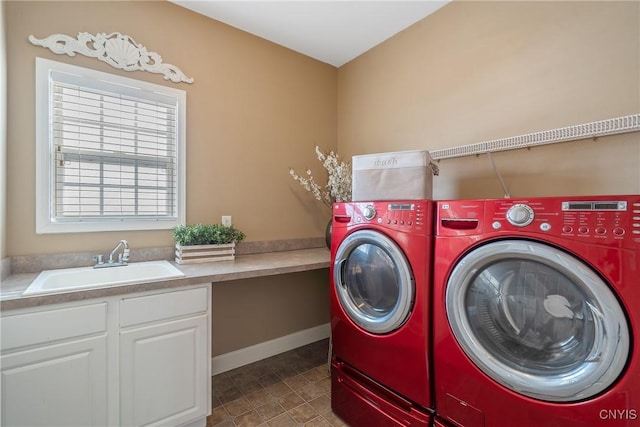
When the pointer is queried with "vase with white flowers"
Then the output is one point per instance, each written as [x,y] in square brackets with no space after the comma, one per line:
[337,188]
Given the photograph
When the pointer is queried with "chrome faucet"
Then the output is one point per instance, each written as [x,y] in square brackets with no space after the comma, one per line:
[123,258]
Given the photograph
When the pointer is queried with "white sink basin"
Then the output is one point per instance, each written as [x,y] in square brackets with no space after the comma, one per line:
[70,279]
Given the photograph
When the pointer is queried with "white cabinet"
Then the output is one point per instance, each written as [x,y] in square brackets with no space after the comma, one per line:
[164,359]
[54,367]
[139,360]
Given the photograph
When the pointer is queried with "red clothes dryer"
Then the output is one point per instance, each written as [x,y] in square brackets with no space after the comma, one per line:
[381,256]
[537,312]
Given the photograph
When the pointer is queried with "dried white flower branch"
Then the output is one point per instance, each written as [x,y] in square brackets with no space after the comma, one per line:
[338,187]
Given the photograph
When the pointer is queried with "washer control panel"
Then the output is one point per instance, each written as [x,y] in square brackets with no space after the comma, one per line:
[607,220]
[599,218]
[577,218]
[408,216]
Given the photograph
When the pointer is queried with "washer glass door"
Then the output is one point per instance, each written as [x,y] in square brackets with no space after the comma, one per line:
[373,281]
[537,320]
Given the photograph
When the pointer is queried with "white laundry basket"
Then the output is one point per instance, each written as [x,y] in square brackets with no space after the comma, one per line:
[401,175]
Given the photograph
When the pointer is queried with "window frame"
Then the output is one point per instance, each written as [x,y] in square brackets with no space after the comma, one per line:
[45,155]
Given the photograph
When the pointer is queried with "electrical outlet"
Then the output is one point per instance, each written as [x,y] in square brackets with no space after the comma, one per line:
[226,220]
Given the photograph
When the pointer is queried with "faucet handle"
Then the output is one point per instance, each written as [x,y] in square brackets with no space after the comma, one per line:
[99,259]
[125,255]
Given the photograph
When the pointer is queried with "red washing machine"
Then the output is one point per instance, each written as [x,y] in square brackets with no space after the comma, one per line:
[537,312]
[381,256]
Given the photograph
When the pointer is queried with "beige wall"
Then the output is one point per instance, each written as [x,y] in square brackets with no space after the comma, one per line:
[3,133]
[478,71]
[255,110]
[250,311]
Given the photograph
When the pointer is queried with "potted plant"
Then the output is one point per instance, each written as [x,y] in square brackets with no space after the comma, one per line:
[205,242]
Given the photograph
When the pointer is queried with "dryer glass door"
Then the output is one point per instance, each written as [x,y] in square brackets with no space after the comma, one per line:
[373,281]
[537,320]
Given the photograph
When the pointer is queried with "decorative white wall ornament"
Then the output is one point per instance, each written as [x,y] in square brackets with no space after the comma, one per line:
[118,50]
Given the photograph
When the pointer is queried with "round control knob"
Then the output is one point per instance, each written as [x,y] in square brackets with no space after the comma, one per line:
[618,231]
[369,212]
[520,215]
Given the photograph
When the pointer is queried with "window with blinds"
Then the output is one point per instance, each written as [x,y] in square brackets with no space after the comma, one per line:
[113,151]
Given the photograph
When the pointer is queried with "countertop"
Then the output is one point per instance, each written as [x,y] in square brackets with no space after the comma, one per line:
[243,267]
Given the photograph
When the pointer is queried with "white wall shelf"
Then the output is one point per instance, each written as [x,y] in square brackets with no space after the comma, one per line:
[612,126]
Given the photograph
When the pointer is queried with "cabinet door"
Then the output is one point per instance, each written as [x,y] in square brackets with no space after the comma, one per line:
[163,373]
[56,385]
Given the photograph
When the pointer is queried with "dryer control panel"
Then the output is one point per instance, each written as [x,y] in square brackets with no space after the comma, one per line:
[611,220]
[407,216]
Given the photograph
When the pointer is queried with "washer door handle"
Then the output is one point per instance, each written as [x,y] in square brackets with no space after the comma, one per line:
[341,268]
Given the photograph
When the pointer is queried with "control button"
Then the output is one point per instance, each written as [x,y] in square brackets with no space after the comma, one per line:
[520,215]
[369,212]
[636,232]
[636,225]
[379,220]
[545,226]
[496,225]
[358,219]
[567,229]
[583,229]
[401,222]
[395,221]
[601,231]
[409,222]
[618,231]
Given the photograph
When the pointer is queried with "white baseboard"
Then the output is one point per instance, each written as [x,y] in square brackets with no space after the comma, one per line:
[244,356]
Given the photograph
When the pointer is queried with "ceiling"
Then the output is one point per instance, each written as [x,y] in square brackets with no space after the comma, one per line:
[334,32]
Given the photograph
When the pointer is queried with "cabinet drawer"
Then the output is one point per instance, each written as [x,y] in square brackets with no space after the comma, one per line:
[167,305]
[41,327]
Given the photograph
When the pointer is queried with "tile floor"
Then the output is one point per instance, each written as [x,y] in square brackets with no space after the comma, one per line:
[289,389]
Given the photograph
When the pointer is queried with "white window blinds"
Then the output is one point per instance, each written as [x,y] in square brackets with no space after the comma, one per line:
[113,153]
[115,156]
